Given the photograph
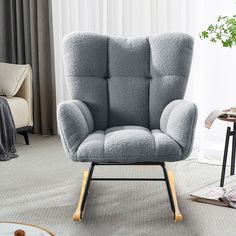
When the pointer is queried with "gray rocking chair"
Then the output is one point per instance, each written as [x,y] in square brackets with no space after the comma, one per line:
[127,106]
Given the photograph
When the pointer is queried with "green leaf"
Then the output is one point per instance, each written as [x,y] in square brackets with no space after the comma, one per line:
[204,34]
[223,31]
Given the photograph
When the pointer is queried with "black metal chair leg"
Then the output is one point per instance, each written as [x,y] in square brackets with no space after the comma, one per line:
[87,188]
[168,188]
[222,179]
[233,152]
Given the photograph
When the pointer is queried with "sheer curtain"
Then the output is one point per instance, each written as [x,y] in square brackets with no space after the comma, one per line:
[211,84]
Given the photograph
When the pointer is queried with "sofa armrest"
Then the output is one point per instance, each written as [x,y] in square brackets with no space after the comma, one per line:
[178,120]
[75,123]
[16,80]
[25,92]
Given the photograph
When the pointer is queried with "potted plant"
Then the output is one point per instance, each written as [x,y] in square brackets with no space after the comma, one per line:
[224,31]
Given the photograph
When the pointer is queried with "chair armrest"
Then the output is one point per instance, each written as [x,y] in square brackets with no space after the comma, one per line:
[178,120]
[75,123]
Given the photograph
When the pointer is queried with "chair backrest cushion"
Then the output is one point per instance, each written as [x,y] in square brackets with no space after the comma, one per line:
[127,81]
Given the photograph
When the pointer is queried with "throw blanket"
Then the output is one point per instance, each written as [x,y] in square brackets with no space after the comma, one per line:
[7,132]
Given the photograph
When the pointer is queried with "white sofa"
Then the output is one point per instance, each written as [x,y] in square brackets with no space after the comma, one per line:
[16,87]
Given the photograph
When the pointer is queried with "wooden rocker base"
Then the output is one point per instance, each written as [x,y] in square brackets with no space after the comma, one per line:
[168,178]
[78,213]
[177,215]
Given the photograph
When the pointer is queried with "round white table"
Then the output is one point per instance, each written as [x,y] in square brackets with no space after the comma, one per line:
[8,229]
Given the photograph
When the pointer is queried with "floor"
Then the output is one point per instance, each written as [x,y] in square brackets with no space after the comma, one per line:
[42,187]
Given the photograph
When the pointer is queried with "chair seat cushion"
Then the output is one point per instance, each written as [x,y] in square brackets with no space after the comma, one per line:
[128,144]
[20,111]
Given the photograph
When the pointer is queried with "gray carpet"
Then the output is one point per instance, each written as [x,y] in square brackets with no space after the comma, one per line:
[42,187]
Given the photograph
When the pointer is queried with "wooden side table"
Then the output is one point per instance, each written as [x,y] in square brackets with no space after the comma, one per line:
[229,133]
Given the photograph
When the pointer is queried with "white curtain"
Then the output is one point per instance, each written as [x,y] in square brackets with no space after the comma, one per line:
[212,83]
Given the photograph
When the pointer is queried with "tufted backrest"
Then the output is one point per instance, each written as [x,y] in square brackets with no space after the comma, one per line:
[127,81]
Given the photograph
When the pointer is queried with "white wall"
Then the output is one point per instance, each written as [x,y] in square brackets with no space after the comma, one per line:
[219,85]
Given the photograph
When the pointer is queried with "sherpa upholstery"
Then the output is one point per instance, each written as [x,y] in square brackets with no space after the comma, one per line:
[127,98]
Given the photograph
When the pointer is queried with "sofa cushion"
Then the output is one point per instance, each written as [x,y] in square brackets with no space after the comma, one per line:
[19,106]
[128,144]
[11,78]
